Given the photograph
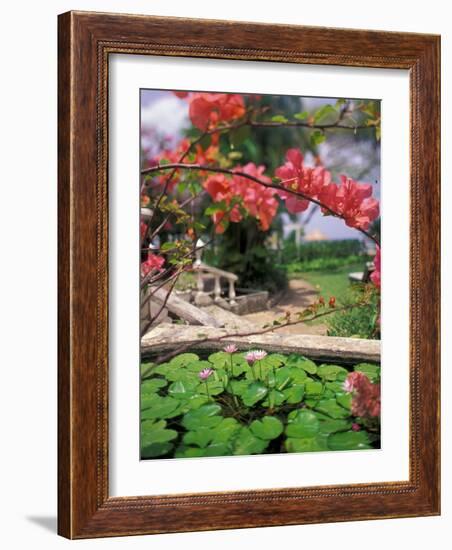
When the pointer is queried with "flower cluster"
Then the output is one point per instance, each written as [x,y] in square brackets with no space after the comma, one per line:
[240,195]
[350,200]
[153,262]
[366,396]
[207,110]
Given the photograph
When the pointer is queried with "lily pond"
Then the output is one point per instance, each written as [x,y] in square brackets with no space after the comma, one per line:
[245,403]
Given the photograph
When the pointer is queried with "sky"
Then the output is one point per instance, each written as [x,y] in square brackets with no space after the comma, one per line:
[167,115]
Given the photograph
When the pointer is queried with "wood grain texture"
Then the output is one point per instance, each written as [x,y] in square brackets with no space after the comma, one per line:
[85,42]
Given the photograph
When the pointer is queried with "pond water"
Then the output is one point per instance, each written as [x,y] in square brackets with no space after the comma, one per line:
[214,403]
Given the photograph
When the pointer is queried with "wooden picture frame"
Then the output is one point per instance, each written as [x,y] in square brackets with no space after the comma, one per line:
[86,40]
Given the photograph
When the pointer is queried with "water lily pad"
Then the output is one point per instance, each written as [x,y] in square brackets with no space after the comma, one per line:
[334,425]
[204,417]
[217,449]
[274,398]
[226,429]
[184,359]
[152,385]
[299,376]
[163,408]
[304,424]
[269,427]
[239,387]
[156,449]
[371,371]
[200,437]
[345,400]
[197,366]
[183,389]
[332,372]
[255,392]
[188,452]
[146,369]
[306,444]
[331,408]
[343,441]
[313,388]
[214,387]
[295,360]
[294,394]
[148,400]
[247,444]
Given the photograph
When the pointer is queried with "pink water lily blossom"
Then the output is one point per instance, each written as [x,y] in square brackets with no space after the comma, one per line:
[231,348]
[260,354]
[205,373]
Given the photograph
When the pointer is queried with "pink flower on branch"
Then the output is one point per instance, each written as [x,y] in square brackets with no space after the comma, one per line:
[207,110]
[153,262]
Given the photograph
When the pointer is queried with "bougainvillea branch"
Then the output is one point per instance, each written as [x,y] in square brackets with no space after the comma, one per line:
[277,186]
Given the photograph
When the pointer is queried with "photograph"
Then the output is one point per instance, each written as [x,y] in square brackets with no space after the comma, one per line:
[259,269]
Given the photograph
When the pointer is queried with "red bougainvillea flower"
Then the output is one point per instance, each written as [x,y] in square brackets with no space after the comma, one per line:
[332,301]
[153,262]
[302,179]
[375,276]
[259,201]
[366,396]
[352,201]
[207,110]
[181,95]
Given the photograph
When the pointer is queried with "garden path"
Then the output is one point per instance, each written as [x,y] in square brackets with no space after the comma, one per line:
[299,295]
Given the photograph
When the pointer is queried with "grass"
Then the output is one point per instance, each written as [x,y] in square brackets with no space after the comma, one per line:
[331,282]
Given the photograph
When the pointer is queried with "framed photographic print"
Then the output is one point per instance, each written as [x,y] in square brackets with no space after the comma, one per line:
[248,275]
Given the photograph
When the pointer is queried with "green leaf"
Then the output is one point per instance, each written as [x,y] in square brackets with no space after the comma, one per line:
[183,389]
[279,118]
[146,369]
[317,137]
[301,362]
[152,385]
[188,452]
[200,437]
[269,427]
[306,444]
[345,400]
[197,366]
[214,387]
[294,394]
[332,425]
[247,444]
[313,388]
[255,392]
[304,424]
[331,408]
[371,371]
[204,417]
[274,399]
[344,441]
[217,449]
[239,387]
[332,372]
[298,375]
[324,112]
[157,435]
[156,449]
[183,359]
[224,432]
[302,115]
[163,408]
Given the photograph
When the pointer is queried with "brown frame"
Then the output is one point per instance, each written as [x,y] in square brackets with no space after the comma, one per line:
[85,42]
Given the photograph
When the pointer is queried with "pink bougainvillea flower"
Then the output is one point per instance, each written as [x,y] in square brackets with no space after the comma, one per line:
[366,396]
[231,348]
[258,200]
[352,201]
[153,262]
[299,178]
[205,373]
[207,110]
[375,276]
[181,95]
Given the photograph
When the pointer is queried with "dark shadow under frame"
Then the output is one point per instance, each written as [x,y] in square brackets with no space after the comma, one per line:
[85,42]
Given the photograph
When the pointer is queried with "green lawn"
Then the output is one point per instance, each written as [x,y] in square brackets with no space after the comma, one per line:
[332,282]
